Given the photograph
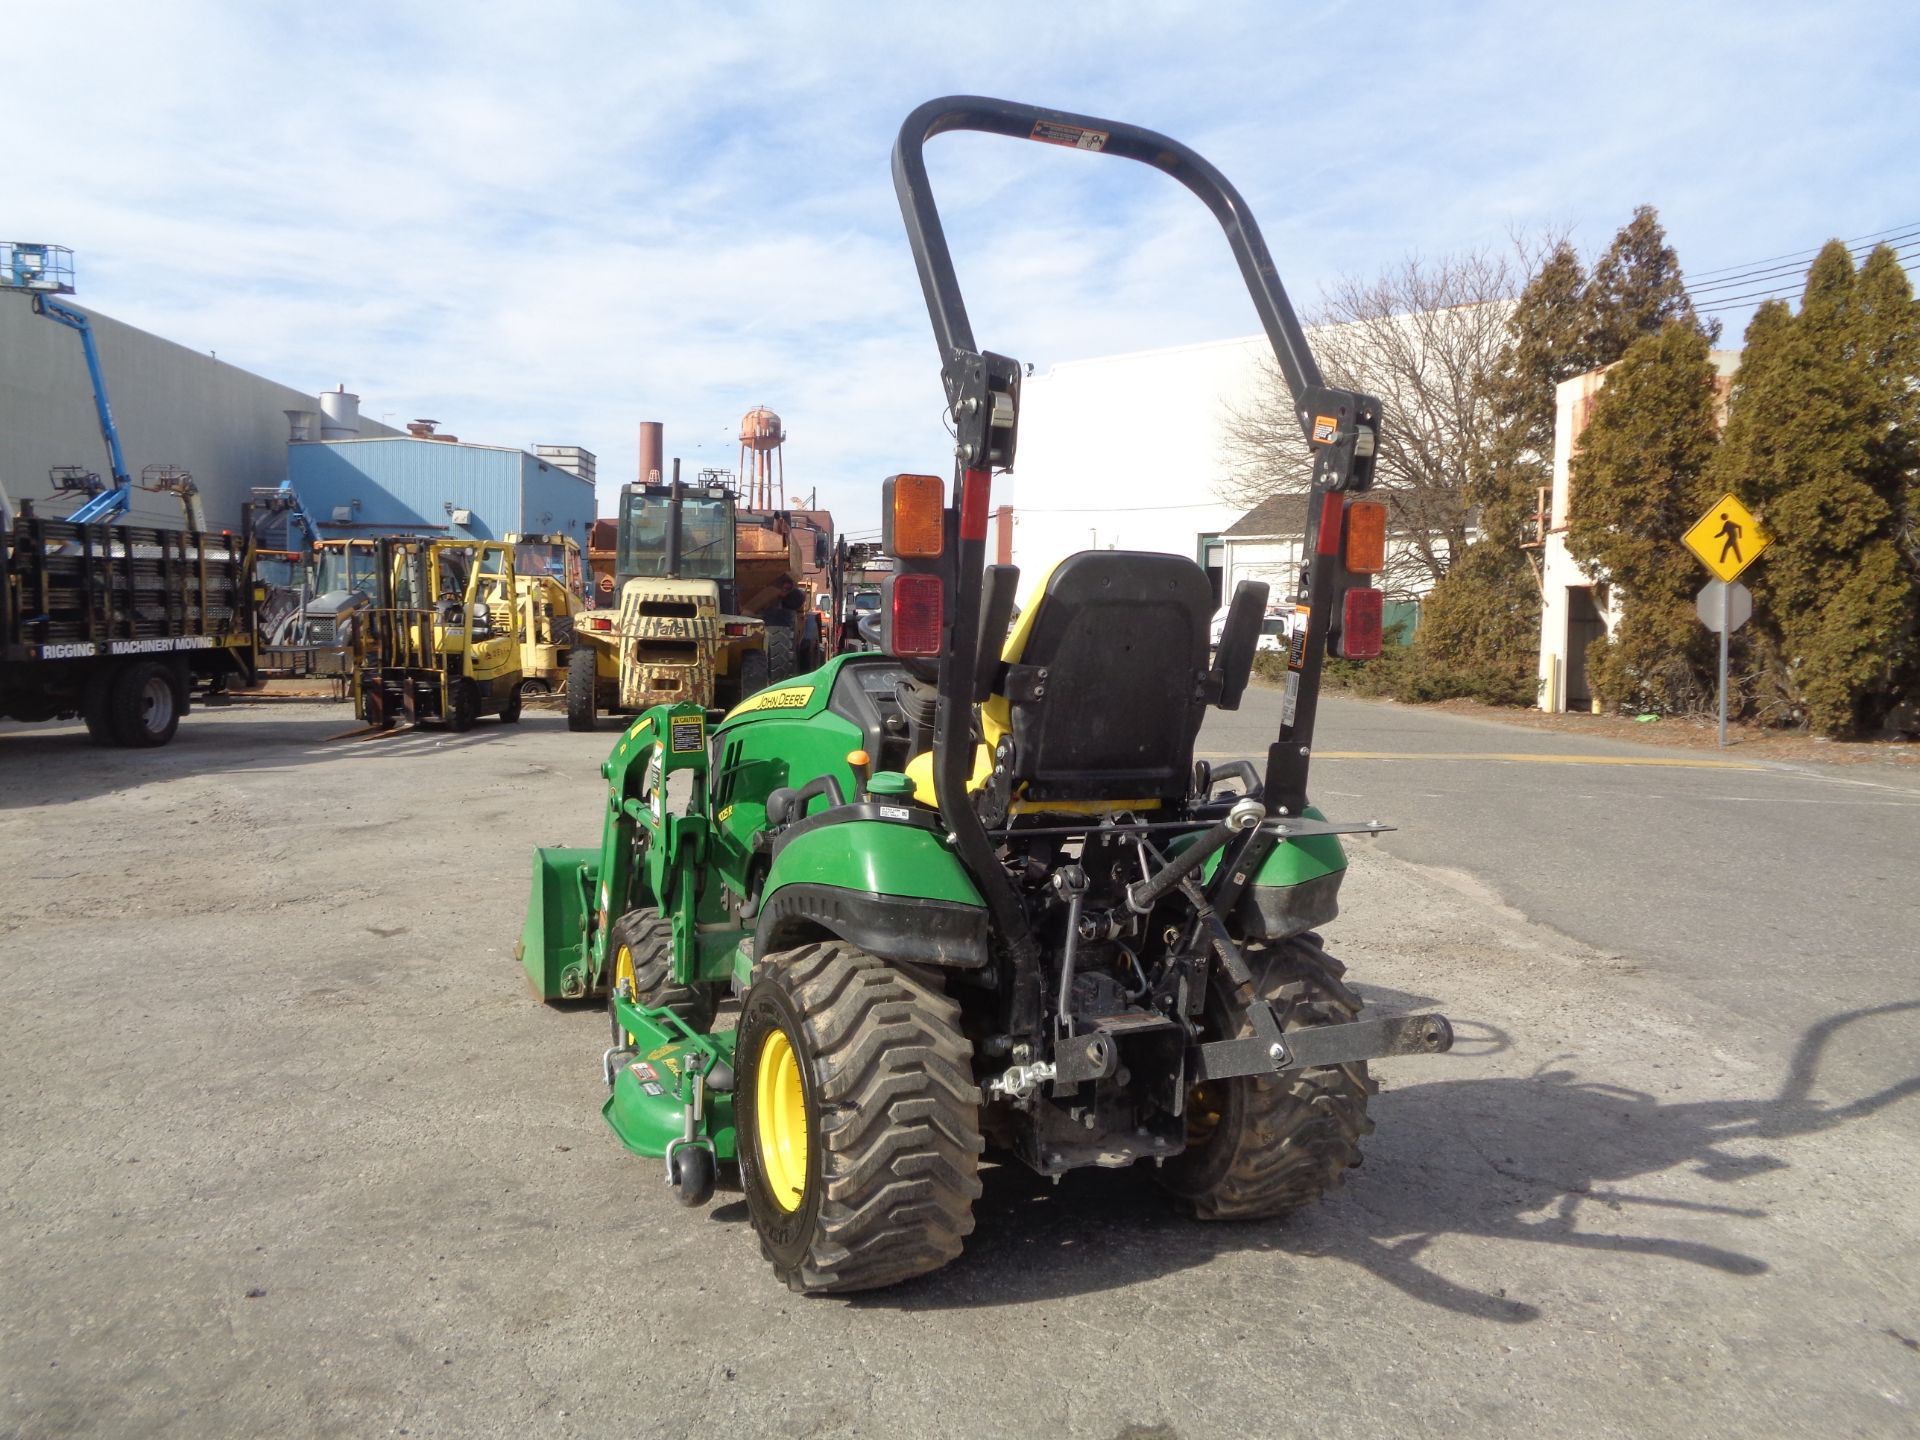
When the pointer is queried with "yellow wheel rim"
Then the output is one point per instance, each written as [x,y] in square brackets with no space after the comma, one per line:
[780,1120]
[1205,1105]
[623,983]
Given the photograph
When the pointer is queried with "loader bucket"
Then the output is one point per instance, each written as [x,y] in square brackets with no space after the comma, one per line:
[553,942]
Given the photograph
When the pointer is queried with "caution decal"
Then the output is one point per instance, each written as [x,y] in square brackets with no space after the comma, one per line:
[689,734]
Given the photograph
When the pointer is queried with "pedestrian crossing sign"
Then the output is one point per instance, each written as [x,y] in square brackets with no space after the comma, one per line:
[1727,538]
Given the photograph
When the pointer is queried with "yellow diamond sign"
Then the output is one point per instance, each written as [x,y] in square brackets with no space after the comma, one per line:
[1727,538]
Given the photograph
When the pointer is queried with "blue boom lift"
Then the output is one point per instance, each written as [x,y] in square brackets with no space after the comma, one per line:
[44,272]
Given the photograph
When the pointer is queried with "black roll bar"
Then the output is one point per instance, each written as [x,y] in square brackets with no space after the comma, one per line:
[1340,427]
[948,311]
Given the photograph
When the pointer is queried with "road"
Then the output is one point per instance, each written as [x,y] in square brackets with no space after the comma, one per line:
[286,1149]
[1753,895]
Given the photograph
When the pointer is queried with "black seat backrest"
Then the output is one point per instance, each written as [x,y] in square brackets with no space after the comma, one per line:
[1107,694]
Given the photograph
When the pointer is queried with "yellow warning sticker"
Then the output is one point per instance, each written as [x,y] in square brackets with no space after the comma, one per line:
[689,734]
[1326,429]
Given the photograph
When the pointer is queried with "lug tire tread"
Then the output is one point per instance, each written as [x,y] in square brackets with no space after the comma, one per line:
[900,1121]
[783,656]
[1299,1133]
[650,936]
[582,676]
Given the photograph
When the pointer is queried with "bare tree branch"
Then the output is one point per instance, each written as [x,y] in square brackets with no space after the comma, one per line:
[1426,337]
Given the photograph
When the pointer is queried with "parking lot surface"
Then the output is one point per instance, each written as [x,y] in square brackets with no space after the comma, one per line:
[289,1149]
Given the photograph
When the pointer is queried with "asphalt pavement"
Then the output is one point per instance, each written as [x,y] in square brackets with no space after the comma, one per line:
[1751,894]
[286,1148]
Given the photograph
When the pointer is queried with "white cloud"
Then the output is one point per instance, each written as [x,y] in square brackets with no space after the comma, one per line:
[546,222]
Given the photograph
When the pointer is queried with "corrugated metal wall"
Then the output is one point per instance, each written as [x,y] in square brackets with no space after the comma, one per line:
[406,485]
[554,501]
[174,406]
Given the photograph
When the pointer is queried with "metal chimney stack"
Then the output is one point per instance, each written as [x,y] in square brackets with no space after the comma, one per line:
[653,451]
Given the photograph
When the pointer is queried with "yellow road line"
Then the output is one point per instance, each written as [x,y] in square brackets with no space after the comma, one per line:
[1525,758]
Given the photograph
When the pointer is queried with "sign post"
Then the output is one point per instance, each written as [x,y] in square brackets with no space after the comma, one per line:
[1724,608]
[1727,539]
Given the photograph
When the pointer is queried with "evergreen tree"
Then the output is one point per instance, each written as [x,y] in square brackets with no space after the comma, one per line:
[1479,631]
[1637,486]
[1636,289]
[1808,445]
[1886,341]
[1564,324]
[1546,344]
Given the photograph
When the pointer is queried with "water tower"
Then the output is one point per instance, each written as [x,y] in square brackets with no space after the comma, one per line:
[763,468]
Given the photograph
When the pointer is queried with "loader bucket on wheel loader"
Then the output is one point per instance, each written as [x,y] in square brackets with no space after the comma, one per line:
[553,942]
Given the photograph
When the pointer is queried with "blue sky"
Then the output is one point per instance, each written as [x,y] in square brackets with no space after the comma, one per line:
[545,222]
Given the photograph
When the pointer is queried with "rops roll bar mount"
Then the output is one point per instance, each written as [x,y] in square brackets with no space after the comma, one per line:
[1341,427]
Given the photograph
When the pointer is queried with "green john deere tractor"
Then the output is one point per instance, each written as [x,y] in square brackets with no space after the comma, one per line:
[964,893]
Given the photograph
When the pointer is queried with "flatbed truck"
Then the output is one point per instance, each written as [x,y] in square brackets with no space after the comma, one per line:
[123,626]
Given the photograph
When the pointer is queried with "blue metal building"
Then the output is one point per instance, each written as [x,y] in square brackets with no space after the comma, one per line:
[404,485]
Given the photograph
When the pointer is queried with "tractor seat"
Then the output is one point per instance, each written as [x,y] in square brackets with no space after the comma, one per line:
[1102,689]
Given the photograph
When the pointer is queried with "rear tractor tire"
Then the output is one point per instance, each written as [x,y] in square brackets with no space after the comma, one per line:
[1262,1145]
[859,1122]
[583,674]
[640,959]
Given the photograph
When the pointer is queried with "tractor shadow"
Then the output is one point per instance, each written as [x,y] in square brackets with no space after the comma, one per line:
[1543,1158]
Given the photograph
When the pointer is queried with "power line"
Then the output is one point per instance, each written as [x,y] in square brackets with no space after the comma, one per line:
[1776,292]
[1809,254]
[1799,267]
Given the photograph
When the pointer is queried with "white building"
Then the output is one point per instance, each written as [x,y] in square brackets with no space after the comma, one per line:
[1579,607]
[1130,452]
[1126,452]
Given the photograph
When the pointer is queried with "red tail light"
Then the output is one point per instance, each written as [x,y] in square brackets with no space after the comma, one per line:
[599,623]
[1360,616]
[919,609]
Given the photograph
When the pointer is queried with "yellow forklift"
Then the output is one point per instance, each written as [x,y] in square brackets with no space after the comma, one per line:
[549,581]
[441,644]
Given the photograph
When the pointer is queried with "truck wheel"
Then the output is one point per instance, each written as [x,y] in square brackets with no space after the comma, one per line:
[463,704]
[783,660]
[510,707]
[859,1121]
[640,959]
[582,675]
[143,705]
[95,704]
[1262,1145]
[753,673]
